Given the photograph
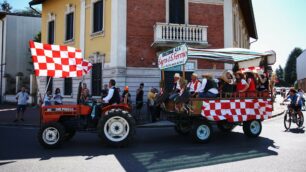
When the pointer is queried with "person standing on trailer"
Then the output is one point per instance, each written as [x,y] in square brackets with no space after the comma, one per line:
[22,98]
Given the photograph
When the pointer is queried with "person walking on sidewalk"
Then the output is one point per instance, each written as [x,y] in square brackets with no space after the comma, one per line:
[22,98]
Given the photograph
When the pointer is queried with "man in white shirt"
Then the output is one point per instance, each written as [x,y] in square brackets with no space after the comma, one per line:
[113,94]
[176,86]
[208,87]
[22,98]
[194,85]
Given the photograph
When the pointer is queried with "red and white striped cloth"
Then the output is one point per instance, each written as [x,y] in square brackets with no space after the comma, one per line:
[237,110]
[251,69]
[58,61]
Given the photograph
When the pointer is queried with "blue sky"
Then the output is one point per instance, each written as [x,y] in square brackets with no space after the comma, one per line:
[280,24]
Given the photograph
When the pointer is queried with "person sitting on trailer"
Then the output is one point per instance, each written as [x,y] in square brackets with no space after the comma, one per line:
[176,86]
[113,96]
[241,84]
[251,81]
[228,83]
[263,81]
[194,85]
[209,88]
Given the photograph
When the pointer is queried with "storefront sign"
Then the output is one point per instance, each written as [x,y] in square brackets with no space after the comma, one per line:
[173,57]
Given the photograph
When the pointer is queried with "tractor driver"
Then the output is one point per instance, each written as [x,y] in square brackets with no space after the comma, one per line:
[113,96]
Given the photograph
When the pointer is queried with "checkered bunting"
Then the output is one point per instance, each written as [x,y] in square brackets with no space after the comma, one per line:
[58,61]
[237,110]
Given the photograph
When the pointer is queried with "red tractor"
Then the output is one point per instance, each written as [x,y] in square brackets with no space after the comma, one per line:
[114,124]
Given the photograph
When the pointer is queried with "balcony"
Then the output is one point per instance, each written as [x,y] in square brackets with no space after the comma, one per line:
[170,35]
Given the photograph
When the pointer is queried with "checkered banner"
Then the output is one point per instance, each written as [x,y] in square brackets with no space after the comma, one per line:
[86,66]
[237,110]
[58,61]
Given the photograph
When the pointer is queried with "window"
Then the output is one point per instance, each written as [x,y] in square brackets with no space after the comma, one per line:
[67,86]
[69,26]
[177,11]
[97,16]
[96,79]
[51,32]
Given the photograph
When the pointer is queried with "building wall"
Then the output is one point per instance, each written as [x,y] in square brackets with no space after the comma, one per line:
[210,15]
[141,19]
[93,43]
[300,66]
[19,30]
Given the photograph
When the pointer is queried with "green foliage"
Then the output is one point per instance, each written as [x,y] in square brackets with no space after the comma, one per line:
[5,6]
[28,12]
[290,68]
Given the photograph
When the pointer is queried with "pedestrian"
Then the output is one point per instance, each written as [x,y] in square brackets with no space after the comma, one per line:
[58,98]
[151,96]
[139,96]
[126,96]
[139,99]
[48,98]
[22,98]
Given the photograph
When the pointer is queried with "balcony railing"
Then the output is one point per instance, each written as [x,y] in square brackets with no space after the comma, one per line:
[180,33]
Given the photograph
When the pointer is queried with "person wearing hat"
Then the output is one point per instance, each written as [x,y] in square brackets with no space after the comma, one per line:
[227,83]
[194,85]
[296,101]
[263,82]
[126,96]
[241,84]
[209,88]
[176,84]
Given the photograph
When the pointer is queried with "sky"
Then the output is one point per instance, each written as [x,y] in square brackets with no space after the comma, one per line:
[281,25]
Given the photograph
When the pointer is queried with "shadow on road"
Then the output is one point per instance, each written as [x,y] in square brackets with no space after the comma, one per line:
[153,149]
[297,130]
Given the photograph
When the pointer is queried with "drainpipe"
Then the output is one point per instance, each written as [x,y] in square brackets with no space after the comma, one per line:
[2,56]
[34,10]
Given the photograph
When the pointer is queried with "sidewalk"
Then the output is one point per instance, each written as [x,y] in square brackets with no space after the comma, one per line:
[31,116]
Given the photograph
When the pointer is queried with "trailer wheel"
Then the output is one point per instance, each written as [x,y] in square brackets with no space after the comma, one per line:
[51,135]
[225,126]
[117,128]
[201,132]
[252,128]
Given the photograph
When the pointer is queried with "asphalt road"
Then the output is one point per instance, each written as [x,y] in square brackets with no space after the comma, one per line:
[159,149]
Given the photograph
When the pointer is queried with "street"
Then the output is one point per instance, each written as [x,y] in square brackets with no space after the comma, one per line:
[159,149]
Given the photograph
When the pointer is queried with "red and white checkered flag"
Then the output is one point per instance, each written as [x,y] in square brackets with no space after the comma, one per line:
[56,61]
[86,66]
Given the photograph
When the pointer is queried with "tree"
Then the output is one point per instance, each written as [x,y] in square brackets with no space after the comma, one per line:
[28,11]
[6,7]
[290,68]
[280,77]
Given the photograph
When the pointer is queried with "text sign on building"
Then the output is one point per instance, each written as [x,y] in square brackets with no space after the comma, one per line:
[173,57]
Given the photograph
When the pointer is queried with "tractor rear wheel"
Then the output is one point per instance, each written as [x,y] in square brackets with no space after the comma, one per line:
[116,128]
